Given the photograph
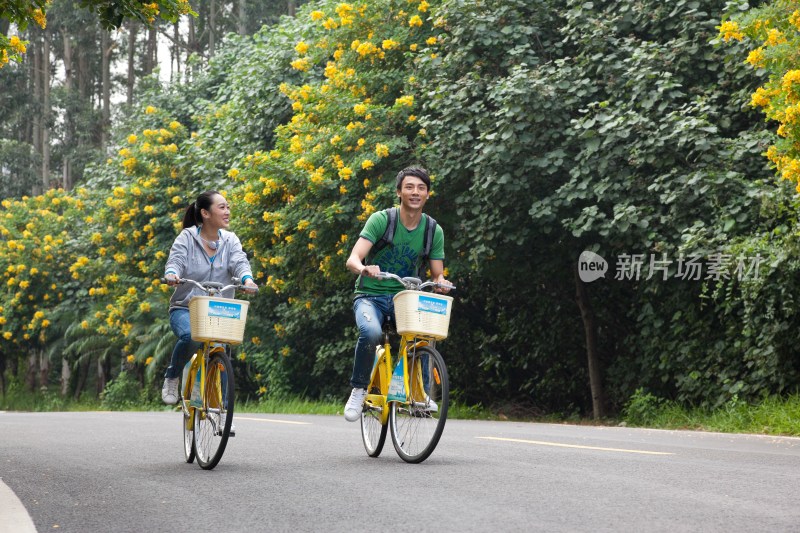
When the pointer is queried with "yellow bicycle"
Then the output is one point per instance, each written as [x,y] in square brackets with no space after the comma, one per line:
[410,396]
[208,388]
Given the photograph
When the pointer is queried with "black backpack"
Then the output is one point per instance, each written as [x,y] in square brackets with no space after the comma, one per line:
[388,237]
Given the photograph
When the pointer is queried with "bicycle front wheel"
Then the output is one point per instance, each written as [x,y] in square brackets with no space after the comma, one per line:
[417,424]
[212,422]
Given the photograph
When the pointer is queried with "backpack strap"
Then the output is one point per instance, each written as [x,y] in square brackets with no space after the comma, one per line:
[385,240]
[388,234]
[427,243]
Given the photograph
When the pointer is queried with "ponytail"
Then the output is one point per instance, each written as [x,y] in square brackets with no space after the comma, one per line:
[190,217]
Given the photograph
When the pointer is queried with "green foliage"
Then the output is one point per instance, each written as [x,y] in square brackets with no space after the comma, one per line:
[122,392]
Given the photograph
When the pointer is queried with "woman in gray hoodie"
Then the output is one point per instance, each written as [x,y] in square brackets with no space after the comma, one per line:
[203,251]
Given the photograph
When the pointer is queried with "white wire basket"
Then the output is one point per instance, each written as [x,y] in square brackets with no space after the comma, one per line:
[218,319]
[422,313]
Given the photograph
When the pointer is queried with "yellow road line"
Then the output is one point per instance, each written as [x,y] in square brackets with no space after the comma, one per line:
[273,420]
[561,445]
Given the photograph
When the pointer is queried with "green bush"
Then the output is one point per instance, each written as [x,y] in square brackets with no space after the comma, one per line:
[123,392]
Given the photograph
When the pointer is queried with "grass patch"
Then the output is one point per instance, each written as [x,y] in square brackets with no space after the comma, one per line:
[771,416]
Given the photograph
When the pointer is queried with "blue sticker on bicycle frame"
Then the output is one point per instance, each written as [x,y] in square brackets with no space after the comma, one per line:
[225,310]
[428,304]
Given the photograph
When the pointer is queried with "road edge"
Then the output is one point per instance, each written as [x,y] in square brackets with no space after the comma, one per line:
[15,518]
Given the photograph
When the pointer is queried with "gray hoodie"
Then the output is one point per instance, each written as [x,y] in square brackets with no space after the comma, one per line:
[188,259]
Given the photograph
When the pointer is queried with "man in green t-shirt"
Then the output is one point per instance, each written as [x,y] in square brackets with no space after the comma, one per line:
[373,300]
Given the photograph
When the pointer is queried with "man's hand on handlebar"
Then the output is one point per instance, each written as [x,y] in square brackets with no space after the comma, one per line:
[371,271]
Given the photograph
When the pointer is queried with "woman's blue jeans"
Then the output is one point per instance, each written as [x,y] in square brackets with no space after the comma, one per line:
[370,312]
[185,347]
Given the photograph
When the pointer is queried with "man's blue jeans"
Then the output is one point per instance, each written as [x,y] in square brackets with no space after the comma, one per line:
[185,347]
[370,312]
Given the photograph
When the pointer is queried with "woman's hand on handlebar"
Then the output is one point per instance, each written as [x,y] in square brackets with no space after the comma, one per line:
[172,279]
[250,286]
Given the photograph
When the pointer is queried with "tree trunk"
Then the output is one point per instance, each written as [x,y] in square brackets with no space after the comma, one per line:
[44,370]
[3,374]
[66,167]
[291,8]
[46,112]
[37,91]
[212,27]
[107,47]
[176,75]
[30,376]
[83,374]
[102,375]
[590,330]
[242,18]
[133,27]
[66,375]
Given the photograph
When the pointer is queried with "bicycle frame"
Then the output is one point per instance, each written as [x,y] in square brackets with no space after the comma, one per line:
[383,372]
[197,364]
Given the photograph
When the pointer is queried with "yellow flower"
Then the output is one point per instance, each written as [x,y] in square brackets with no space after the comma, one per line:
[730,30]
[345,173]
[262,390]
[7,335]
[148,361]
[423,6]
[415,21]
[132,139]
[300,64]
[301,48]
[317,15]
[367,164]
[389,44]
[242,356]
[16,44]
[149,110]
[131,359]
[381,150]
[232,173]
[40,18]
[45,323]
[359,109]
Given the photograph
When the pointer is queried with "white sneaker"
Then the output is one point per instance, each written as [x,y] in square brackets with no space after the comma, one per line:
[222,419]
[428,405]
[169,392]
[352,411]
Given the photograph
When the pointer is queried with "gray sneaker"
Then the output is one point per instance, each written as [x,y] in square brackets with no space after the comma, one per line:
[169,392]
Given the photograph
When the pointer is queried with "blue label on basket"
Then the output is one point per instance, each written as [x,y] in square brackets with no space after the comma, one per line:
[225,310]
[428,304]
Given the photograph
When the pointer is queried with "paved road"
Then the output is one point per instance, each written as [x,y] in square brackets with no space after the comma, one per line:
[119,472]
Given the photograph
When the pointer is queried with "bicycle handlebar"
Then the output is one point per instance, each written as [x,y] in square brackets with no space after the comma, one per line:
[214,287]
[415,284]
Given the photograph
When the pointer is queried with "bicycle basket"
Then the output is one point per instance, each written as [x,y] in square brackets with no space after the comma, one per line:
[218,319]
[422,313]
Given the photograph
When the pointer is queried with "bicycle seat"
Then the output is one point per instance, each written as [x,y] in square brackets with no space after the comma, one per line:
[388,325]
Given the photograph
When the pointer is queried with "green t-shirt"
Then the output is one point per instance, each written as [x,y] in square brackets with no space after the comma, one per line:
[402,257]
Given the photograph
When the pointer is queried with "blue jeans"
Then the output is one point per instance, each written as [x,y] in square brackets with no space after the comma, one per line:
[370,312]
[185,347]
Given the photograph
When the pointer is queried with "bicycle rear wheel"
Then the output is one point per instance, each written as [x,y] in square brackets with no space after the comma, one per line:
[373,433]
[212,422]
[417,424]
